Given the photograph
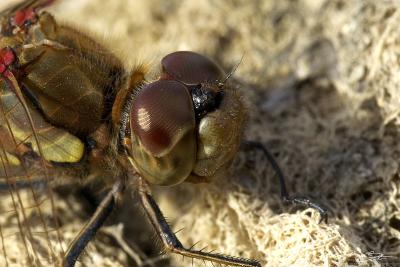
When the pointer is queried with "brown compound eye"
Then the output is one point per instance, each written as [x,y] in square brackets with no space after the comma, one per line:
[162,113]
[190,68]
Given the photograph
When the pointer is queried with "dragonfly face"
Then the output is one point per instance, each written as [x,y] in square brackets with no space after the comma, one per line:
[186,124]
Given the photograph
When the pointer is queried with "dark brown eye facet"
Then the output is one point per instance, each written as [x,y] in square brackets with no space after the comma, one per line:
[162,113]
[190,68]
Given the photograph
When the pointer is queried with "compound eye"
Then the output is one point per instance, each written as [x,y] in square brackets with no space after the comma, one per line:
[162,113]
[190,68]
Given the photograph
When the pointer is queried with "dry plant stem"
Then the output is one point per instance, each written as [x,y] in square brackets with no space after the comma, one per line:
[94,224]
[296,200]
[117,232]
[171,242]
[132,250]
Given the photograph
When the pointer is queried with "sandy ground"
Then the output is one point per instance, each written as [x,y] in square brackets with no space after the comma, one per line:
[321,82]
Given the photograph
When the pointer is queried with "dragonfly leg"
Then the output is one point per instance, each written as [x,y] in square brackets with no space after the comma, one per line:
[171,242]
[296,200]
[93,225]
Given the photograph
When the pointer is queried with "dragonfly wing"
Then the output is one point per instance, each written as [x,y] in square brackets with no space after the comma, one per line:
[27,137]
[29,147]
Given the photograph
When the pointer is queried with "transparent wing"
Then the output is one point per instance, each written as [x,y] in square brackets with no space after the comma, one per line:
[28,218]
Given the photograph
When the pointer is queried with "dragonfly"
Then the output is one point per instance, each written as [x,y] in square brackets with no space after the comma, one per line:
[70,110]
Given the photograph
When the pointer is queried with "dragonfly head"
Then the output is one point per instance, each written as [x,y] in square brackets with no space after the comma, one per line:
[186,125]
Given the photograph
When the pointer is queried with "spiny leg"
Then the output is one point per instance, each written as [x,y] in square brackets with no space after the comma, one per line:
[93,225]
[171,242]
[284,193]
